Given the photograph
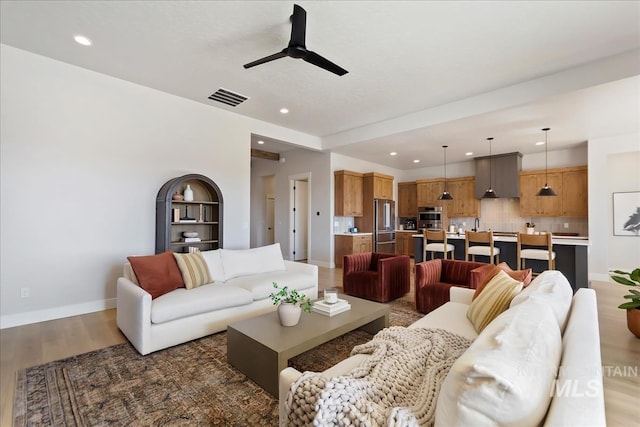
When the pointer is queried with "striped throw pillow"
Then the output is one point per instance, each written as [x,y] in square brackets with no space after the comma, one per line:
[493,300]
[194,269]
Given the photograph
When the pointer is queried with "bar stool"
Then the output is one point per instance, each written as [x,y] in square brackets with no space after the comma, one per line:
[486,249]
[436,241]
[542,240]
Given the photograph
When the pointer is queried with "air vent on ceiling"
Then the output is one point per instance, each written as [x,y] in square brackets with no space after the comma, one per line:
[227,97]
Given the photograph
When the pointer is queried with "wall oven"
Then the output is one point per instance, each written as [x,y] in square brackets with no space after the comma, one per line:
[430,217]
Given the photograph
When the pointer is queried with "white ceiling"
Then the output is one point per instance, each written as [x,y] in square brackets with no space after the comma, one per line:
[421,74]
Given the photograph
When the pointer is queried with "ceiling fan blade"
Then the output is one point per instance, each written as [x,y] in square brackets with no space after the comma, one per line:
[298,26]
[315,59]
[269,58]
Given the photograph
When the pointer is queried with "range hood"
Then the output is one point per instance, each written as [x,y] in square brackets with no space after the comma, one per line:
[505,169]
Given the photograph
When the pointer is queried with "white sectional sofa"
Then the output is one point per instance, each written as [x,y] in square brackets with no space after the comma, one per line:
[537,363]
[242,282]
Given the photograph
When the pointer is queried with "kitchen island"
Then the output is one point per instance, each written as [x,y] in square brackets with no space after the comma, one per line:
[571,254]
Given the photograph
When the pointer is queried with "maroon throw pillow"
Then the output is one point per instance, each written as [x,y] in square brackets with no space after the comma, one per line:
[523,276]
[157,274]
[492,270]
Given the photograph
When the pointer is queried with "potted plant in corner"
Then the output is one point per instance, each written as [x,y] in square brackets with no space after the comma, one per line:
[633,305]
[290,304]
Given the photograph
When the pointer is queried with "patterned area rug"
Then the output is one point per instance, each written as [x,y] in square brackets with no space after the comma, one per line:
[190,384]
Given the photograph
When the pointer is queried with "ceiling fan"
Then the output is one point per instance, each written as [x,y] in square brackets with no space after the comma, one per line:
[297,48]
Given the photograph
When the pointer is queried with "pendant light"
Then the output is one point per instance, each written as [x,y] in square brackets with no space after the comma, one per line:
[490,194]
[445,194]
[546,190]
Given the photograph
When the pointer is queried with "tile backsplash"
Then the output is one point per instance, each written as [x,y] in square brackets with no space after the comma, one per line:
[504,215]
[341,224]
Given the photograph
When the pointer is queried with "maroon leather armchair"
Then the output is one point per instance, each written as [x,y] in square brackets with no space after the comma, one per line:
[434,278]
[376,276]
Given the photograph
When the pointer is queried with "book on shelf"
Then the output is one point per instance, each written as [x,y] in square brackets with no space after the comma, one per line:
[330,309]
[187,220]
[341,309]
[191,239]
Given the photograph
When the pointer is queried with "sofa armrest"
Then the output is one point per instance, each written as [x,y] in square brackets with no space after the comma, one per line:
[285,379]
[461,295]
[395,272]
[301,267]
[356,262]
[133,313]
[427,272]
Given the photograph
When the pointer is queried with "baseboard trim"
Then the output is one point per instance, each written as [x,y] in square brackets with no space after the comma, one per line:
[29,317]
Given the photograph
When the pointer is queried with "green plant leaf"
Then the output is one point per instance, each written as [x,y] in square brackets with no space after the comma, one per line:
[632,297]
[624,281]
[633,291]
[630,305]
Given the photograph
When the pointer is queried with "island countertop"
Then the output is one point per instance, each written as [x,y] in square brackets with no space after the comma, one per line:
[555,239]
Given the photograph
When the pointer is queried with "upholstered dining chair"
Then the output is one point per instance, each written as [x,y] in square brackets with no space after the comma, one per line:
[376,276]
[536,247]
[436,241]
[484,248]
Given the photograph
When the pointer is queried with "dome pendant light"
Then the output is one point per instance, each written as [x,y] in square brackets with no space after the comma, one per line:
[490,194]
[546,190]
[445,194]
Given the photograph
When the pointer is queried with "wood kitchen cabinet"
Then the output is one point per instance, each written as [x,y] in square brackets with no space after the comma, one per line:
[530,183]
[348,191]
[575,192]
[404,242]
[407,199]
[379,185]
[464,203]
[351,244]
[428,191]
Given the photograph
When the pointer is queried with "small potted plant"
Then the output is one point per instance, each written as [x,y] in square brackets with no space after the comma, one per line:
[633,305]
[530,227]
[290,304]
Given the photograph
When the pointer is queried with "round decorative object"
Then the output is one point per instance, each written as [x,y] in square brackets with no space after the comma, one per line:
[190,234]
[188,194]
[633,321]
[178,197]
[289,314]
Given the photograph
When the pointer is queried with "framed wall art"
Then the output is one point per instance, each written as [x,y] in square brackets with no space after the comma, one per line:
[626,213]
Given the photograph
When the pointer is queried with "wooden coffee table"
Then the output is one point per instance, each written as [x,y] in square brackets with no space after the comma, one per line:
[260,348]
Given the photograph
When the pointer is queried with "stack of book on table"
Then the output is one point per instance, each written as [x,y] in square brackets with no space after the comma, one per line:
[328,309]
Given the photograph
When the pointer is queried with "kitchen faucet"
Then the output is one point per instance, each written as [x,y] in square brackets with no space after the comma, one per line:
[476,224]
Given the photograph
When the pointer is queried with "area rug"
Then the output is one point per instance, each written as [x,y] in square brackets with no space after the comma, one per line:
[190,384]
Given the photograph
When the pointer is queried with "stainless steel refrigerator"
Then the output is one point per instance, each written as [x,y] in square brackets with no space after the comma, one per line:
[384,226]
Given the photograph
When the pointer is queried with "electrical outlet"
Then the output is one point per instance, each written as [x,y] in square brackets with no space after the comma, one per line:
[566,225]
[24,292]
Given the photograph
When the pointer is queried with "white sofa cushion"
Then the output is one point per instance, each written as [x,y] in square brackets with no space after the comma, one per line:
[203,299]
[551,288]
[242,262]
[214,263]
[506,375]
[451,316]
[261,285]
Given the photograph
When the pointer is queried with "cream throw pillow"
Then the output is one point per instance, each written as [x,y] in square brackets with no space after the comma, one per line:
[493,300]
[194,269]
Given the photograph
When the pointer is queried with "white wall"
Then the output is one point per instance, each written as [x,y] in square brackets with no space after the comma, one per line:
[614,165]
[83,156]
[298,162]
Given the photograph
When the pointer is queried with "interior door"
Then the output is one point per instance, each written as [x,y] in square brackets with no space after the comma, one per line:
[270,206]
[300,222]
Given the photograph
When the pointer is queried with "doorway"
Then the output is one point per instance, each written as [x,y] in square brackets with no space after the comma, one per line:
[270,209]
[299,217]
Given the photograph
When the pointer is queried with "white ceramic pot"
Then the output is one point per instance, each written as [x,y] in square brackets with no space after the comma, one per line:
[530,230]
[289,314]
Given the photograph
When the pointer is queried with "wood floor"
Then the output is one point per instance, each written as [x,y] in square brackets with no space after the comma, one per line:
[31,345]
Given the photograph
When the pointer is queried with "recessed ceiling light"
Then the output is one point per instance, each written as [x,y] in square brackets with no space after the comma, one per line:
[540,143]
[393,153]
[261,142]
[84,41]
[469,153]
[416,161]
[284,110]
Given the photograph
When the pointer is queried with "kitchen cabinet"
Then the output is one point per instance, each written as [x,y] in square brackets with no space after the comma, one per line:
[575,192]
[348,191]
[464,203]
[428,191]
[407,199]
[351,244]
[530,183]
[379,185]
[404,242]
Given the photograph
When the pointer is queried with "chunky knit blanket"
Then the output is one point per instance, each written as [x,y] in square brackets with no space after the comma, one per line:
[397,386]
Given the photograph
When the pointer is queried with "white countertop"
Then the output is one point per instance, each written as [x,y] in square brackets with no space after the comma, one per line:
[556,240]
[352,234]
